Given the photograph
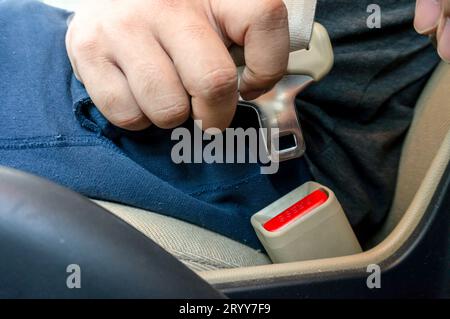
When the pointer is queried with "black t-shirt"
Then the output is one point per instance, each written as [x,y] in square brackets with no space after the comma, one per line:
[356,119]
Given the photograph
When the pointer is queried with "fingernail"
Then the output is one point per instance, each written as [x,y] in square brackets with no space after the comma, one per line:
[427,15]
[444,42]
[253,95]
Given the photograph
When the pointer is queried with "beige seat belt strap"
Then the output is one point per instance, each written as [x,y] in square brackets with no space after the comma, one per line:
[301,22]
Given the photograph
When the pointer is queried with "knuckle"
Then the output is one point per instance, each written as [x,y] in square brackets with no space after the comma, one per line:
[217,83]
[128,24]
[84,40]
[129,20]
[111,106]
[274,14]
[85,46]
[195,31]
[131,121]
[171,114]
[275,8]
[108,103]
[148,75]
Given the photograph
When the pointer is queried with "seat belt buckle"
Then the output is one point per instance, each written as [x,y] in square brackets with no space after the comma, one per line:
[308,223]
[276,109]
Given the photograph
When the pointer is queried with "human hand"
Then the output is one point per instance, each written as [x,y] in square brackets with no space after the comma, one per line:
[159,61]
[433,18]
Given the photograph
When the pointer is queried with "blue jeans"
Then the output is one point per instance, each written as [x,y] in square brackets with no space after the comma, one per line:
[50,127]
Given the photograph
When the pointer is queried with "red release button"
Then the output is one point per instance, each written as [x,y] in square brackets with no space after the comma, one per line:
[307,204]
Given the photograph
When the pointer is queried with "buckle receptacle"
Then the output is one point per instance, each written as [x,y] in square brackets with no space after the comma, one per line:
[308,223]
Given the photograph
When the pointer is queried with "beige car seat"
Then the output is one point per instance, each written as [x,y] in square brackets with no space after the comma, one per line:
[203,250]
[428,131]
[196,247]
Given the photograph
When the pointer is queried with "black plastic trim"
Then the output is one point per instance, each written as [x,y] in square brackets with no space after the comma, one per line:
[44,228]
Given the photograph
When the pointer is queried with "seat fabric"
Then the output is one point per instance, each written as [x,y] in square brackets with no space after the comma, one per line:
[198,248]
[428,130]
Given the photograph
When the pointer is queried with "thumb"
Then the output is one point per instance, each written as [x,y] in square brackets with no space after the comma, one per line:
[427,16]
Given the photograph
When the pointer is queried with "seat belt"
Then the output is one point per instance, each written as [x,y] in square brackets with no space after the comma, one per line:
[301,21]
[311,58]
[309,222]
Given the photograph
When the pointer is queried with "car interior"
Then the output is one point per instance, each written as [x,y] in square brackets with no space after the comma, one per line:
[236,270]
[222,261]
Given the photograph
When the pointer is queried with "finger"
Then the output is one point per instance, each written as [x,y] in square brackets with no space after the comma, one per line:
[427,16]
[70,52]
[444,32]
[104,82]
[262,28]
[154,81]
[205,68]
[109,90]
